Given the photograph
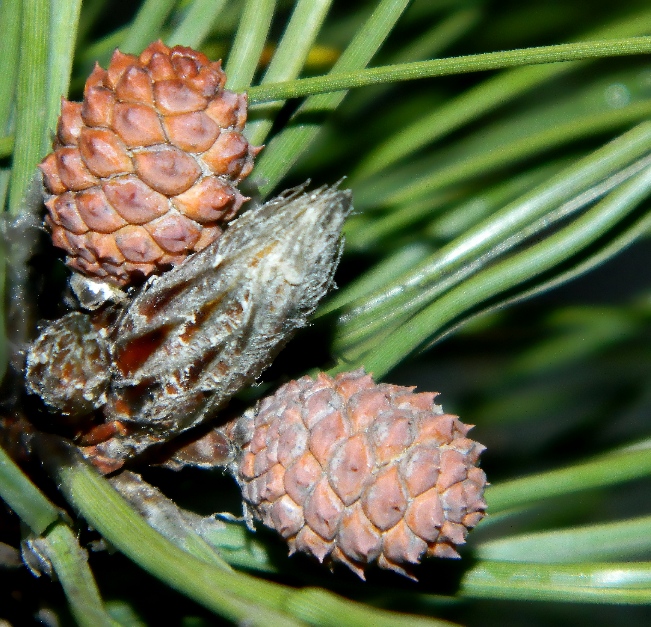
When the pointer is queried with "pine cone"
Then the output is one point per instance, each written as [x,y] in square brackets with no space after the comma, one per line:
[350,471]
[194,336]
[144,170]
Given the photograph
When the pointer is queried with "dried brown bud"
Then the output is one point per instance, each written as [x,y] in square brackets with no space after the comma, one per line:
[355,472]
[68,365]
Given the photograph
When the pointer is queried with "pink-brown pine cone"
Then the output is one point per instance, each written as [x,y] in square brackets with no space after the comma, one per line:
[351,471]
[144,170]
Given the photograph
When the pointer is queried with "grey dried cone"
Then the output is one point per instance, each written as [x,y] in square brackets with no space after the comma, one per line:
[144,170]
[355,472]
[194,336]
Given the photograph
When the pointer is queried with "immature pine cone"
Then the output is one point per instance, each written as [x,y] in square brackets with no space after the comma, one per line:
[350,471]
[144,170]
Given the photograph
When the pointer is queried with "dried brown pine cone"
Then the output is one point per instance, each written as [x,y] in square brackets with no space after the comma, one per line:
[144,170]
[350,471]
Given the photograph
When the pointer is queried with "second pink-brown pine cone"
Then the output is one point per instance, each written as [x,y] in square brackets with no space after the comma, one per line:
[354,472]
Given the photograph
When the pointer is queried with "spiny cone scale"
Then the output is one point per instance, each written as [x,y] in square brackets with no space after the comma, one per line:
[351,471]
[144,170]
